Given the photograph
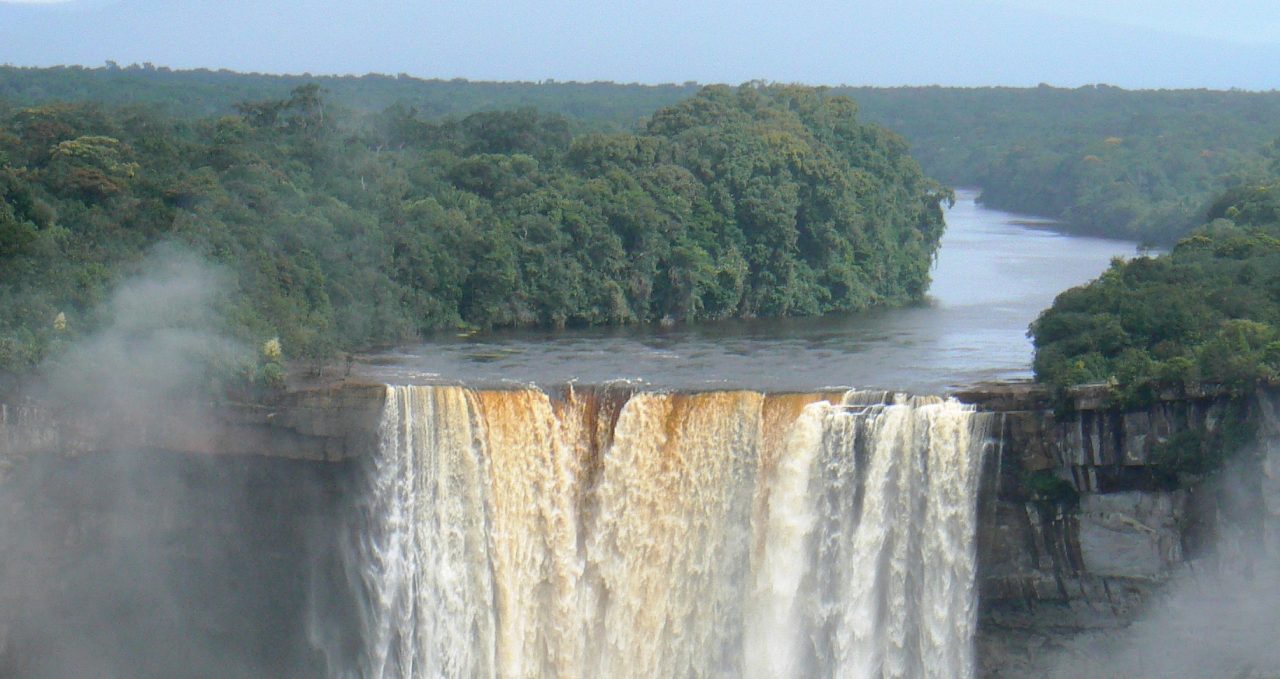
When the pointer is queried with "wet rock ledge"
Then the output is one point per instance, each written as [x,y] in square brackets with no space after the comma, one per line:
[329,423]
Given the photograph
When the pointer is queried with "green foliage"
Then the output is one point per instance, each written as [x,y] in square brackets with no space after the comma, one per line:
[202,93]
[1133,164]
[271,376]
[1140,165]
[1207,311]
[1190,455]
[1186,453]
[1045,486]
[344,230]
[270,372]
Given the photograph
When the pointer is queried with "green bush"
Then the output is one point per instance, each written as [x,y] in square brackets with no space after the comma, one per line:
[1192,454]
[1187,453]
[1045,486]
[271,376]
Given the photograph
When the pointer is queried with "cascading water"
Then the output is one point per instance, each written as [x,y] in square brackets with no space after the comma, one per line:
[603,533]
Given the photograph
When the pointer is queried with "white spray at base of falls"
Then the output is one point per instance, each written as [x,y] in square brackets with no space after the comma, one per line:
[720,534]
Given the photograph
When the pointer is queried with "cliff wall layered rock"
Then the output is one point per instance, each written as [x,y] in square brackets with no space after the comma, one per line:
[1082,521]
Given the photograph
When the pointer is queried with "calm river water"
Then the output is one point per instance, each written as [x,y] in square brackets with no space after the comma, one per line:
[995,272]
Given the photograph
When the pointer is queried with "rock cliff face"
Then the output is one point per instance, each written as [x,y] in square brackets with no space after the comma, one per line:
[325,424]
[190,544]
[1079,527]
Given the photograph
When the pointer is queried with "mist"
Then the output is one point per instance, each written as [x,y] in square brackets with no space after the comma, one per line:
[1220,616]
[162,334]
[122,559]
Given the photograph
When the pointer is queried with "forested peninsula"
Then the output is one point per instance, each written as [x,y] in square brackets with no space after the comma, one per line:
[357,211]
[1207,311]
[341,228]
[1203,319]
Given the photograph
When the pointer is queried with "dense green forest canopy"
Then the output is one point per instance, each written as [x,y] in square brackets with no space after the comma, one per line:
[375,209]
[1141,165]
[342,230]
[600,106]
[1207,311]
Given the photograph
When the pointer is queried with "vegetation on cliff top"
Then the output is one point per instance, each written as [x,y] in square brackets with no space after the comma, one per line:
[342,230]
[1208,311]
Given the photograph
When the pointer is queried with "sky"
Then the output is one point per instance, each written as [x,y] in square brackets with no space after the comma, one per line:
[1128,43]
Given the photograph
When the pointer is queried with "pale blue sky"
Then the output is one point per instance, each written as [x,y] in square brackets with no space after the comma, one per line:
[1131,43]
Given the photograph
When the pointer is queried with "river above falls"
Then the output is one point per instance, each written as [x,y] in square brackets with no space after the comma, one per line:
[995,272]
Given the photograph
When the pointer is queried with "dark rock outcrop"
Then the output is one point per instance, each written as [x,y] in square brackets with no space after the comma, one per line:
[1079,526]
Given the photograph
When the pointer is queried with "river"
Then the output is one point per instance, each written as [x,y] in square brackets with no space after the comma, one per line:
[995,272]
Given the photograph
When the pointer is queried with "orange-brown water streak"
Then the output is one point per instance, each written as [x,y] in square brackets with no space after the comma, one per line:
[605,532]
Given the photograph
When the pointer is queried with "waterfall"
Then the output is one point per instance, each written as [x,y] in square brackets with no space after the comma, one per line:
[604,533]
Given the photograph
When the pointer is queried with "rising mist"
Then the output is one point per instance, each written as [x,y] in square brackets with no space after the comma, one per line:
[1219,617]
[121,560]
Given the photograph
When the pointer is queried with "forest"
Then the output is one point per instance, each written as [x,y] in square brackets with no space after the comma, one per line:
[359,211]
[1140,165]
[1209,310]
[342,229]
[598,106]
[1201,319]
